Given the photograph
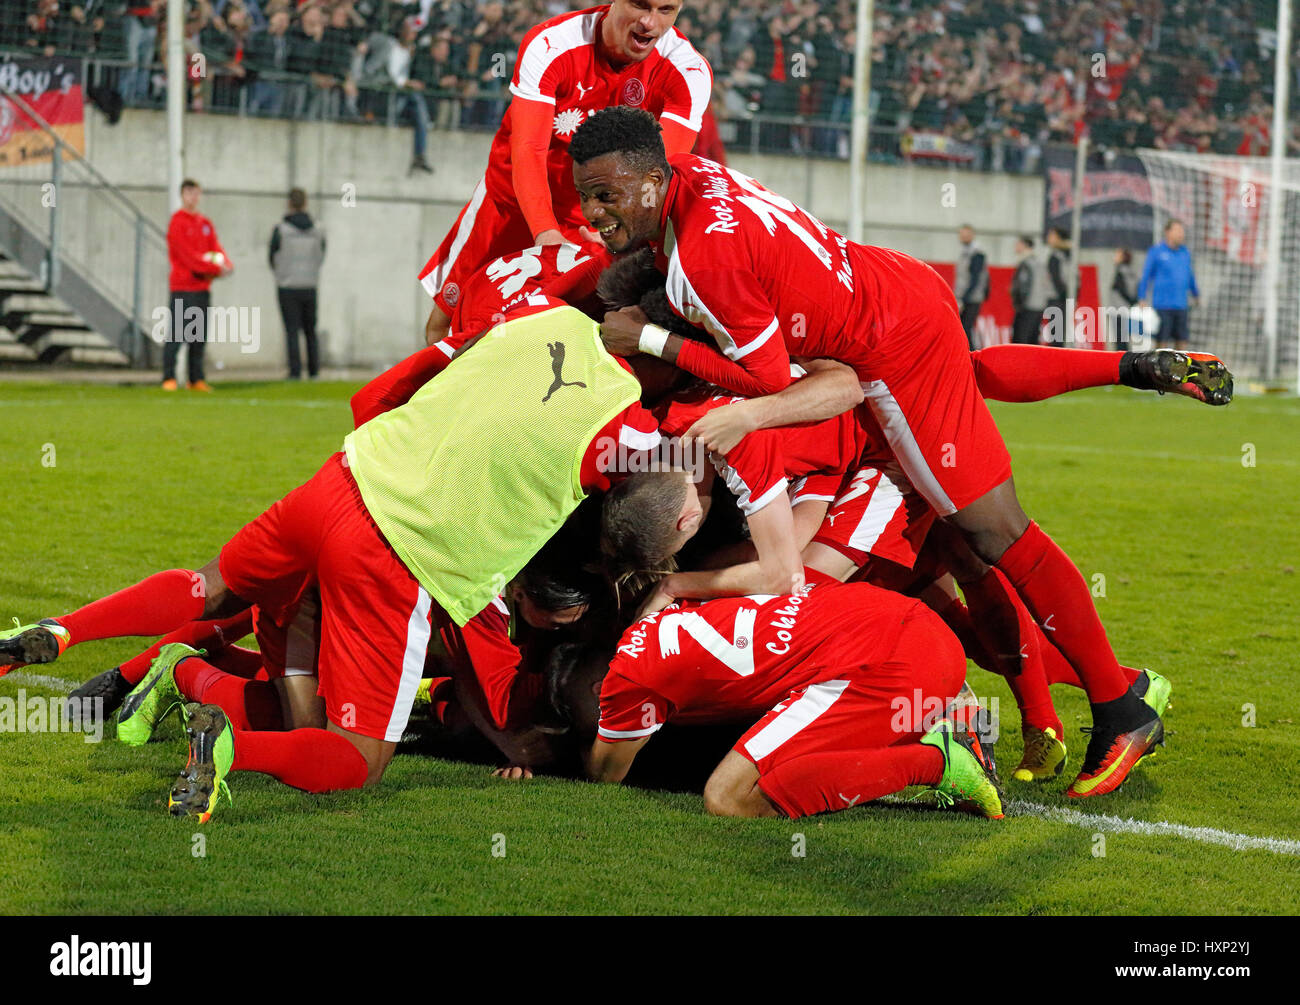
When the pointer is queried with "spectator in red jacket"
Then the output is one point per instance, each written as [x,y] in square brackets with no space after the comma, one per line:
[197,258]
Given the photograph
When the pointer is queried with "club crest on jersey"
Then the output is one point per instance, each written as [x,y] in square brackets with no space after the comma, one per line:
[451,294]
[633,92]
[567,121]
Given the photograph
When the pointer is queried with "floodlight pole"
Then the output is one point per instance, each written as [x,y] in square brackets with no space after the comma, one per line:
[858,135]
[1076,223]
[176,84]
[1276,195]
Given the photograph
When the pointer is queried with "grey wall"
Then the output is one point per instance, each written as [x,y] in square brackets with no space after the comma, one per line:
[372,308]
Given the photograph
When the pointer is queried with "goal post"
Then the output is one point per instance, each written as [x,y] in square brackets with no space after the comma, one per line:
[1249,309]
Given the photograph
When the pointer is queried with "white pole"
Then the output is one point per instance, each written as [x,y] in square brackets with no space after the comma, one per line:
[176,83]
[860,124]
[1276,195]
[1076,224]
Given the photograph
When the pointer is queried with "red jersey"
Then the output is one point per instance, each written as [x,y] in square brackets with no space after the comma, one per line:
[563,271]
[767,279]
[190,236]
[759,467]
[560,64]
[736,657]
[485,651]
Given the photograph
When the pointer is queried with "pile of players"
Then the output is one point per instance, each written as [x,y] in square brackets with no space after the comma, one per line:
[743,472]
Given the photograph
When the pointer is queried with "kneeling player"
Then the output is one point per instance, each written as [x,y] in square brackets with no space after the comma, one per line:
[850,682]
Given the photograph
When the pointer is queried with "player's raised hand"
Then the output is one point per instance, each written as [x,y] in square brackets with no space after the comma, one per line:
[590,236]
[513,771]
[551,237]
[722,428]
[621,331]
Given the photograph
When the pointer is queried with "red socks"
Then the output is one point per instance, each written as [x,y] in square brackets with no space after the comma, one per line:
[248,704]
[1057,596]
[200,635]
[314,760]
[1005,626]
[153,606]
[836,780]
[1035,372]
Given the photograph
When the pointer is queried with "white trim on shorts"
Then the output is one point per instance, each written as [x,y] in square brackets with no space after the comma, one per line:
[432,282]
[893,422]
[886,500]
[800,713]
[418,631]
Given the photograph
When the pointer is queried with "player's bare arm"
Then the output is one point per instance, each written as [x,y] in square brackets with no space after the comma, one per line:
[829,389]
[777,570]
[610,762]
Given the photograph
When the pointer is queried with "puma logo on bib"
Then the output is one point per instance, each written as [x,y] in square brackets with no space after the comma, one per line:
[557,364]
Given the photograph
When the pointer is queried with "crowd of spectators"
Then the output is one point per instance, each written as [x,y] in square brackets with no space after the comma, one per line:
[984,82]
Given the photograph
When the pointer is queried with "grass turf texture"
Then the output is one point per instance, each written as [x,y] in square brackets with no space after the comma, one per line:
[1196,550]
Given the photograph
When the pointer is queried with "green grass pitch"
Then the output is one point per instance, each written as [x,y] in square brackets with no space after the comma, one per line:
[1185,517]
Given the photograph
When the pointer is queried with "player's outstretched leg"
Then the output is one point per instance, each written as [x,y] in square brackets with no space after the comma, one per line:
[1198,375]
[1035,373]
[969,780]
[154,698]
[154,606]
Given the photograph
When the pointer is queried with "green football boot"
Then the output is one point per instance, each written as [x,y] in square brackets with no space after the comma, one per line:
[153,699]
[212,754]
[968,781]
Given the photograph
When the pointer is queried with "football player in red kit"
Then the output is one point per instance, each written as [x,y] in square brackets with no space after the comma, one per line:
[627,53]
[765,279]
[852,684]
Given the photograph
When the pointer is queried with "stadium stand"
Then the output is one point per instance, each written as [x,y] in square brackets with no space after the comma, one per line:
[979,83]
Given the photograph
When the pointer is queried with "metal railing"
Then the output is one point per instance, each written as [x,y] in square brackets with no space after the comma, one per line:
[90,226]
[293,96]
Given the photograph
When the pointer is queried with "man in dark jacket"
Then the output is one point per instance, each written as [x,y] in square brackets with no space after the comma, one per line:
[971,284]
[297,250]
[1060,327]
[1028,292]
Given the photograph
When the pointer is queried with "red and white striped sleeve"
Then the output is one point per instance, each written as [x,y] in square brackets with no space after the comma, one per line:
[687,84]
[540,65]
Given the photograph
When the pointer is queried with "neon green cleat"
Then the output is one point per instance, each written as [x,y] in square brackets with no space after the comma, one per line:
[1155,690]
[967,782]
[153,699]
[1044,756]
[22,645]
[212,754]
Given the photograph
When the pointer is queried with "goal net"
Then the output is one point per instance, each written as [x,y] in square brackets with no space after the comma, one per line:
[1223,203]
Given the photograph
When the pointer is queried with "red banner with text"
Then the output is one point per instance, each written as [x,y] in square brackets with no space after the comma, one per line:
[52,87]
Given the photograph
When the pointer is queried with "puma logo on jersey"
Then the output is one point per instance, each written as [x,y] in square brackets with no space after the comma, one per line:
[848,801]
[557,365]
[831,517]
[582,91]
[548,43]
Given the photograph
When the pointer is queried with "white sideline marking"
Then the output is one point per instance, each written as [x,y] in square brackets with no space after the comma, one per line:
[1125,825]
[39,680]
